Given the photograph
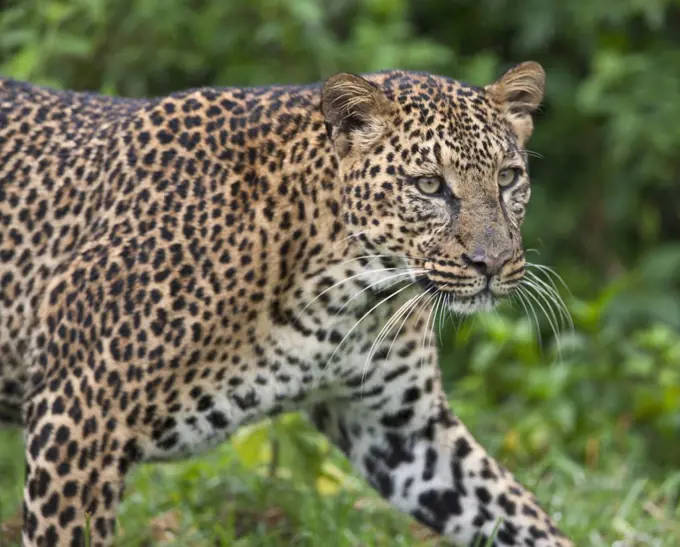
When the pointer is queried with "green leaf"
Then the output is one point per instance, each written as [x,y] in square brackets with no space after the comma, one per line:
[251,444]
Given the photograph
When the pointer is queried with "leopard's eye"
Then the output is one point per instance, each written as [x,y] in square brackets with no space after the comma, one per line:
[508,176]
[430,186]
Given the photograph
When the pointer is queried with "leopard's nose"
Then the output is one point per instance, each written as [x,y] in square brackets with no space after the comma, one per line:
[486,264]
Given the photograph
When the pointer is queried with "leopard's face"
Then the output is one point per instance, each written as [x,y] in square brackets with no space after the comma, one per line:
[435,176]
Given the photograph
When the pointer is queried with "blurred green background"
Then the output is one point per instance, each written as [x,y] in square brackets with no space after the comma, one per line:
[595,426]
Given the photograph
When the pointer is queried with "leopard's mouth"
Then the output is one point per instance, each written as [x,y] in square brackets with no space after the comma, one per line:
[482,300]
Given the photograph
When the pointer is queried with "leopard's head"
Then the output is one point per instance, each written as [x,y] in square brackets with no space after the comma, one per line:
[434,175]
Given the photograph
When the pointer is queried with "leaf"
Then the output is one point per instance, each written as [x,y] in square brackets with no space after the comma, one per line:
[661,265]
[23,64]
[485,357]
[75,46]
[55,12]
[252,445]
[15,38]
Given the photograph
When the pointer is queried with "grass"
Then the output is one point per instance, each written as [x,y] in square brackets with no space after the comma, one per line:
[216,500]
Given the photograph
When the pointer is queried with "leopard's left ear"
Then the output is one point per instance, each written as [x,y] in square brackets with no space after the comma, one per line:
[355,111]
[519,92]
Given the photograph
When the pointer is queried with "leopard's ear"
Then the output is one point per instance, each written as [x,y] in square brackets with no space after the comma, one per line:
[355,111]
[519,92]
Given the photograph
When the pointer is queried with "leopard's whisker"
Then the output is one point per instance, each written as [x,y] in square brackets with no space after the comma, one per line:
[356,324]
[550,272]
[430,334]
[552,294]
[370,286]
[427,328]
[547,312]
[384,332]
[416,301]
[442,302]
[521,292]
[341,282]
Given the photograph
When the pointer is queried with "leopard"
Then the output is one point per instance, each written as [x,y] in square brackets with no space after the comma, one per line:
[175,268]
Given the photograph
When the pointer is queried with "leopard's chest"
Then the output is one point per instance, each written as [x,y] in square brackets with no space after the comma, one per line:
[316,347]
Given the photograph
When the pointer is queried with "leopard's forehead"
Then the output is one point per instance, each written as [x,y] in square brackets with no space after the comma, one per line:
[455,122]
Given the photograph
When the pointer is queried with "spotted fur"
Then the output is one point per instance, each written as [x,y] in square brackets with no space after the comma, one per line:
[175,268]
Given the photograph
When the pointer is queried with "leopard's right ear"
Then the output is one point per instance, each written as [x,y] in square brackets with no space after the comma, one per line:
[355,111]
[519,92]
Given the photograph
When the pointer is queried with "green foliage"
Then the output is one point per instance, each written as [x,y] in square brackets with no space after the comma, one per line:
[601,389]
[599,405]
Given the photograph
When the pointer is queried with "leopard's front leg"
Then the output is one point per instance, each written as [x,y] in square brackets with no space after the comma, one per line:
[399,432]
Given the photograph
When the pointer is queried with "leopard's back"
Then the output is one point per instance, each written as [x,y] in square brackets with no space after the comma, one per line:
[52,147]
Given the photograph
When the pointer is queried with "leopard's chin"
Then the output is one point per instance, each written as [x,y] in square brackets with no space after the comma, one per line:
[483,301]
